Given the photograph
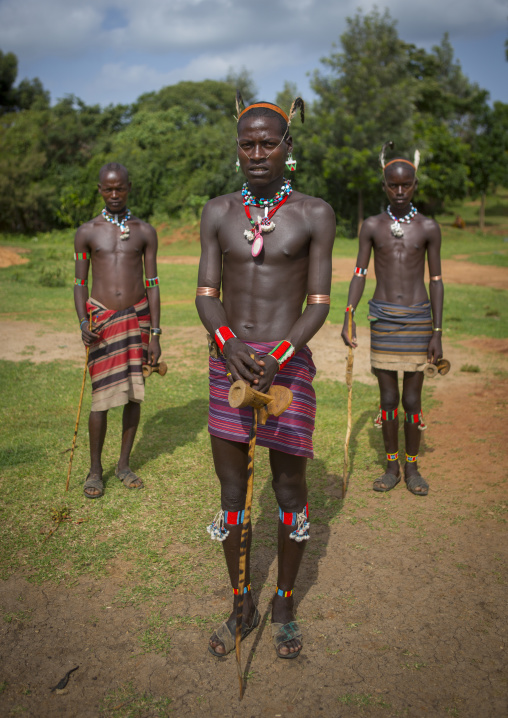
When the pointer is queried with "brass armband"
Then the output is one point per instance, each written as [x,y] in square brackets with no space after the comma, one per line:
[318,299]
[208,292]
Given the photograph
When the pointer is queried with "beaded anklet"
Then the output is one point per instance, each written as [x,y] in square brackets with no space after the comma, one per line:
[393,457]
[154,282]
[81,255]
[283,353]
[222,335]
[300,520]
[284,594]
[411,459]
[246,589]
[81,282]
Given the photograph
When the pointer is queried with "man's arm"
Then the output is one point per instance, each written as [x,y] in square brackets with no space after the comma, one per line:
[239,363]
[319,278]
[82,251]
[153,294]
[358,282]
[436,292]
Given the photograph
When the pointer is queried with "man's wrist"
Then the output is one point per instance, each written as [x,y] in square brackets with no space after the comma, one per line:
[222,335]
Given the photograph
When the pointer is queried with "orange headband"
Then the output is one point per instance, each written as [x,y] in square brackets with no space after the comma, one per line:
[392,161]
[269,106]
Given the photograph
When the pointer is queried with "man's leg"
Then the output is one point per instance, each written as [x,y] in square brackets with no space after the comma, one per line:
[230,459]
[412,403]
[290,486]
[130,423]
[97,426]
[389,398]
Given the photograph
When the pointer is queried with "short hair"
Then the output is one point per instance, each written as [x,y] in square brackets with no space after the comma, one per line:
[113,167]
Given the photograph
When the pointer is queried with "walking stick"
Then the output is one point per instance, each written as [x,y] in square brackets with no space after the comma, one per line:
[349,382]
[274,402]
[79,411]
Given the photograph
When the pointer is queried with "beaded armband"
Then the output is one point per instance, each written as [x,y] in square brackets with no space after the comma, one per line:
[360,272]
[222,335]
[283,353]
[208,292]
[81,282]
[81,255]
[318,299]
[154,282]
[389,415]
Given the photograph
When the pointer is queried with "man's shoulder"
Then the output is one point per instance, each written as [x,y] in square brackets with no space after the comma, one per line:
[146,227]
[313,206]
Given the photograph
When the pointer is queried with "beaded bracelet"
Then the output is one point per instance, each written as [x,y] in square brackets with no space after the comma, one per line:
[152,282]
[283,353]
[360,272]
[222,335]
[81,282]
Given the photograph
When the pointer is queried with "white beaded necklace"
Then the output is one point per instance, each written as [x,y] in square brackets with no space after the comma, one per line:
[124,229]
[395,228]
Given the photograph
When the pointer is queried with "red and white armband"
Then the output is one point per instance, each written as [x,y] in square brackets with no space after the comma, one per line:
[222,335]
[283,353]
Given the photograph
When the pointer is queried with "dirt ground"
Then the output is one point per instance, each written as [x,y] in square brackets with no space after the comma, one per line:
[405,616]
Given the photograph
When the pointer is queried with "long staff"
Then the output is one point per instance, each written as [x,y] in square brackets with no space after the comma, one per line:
[243,545]
[79,410]
[349,382]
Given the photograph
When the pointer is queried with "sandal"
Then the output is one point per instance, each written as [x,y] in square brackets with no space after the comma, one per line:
[226,633]
[129,479]
[389,480]
[284,632]
[416,481]
[93,481]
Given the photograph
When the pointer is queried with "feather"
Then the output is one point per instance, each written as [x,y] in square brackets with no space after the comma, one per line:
[417,159]
[298,104]
[240,105]
[382,161]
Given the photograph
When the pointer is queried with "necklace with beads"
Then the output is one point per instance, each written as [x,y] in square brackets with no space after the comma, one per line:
[395,228]
[262,224]
[113,218]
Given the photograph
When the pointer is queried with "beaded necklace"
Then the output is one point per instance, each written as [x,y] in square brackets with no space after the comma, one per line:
[395,228]
[263,224]
[124,229]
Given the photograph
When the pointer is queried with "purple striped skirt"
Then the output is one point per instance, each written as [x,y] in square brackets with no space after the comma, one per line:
[292,431]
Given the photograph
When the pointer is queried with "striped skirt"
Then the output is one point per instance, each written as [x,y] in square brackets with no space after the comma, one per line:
[399,336]
[115,362]
[292,431]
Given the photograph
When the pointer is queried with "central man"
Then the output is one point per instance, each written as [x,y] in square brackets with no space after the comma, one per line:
[270,248]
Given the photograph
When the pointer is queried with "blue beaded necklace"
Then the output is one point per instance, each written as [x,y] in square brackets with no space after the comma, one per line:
[395,228]
[124,229]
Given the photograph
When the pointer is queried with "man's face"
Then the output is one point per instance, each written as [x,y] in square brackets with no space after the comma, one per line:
[400,185]
[261,153]
[114,188]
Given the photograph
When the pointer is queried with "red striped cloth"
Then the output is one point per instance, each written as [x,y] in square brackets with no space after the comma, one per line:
[115,363]
[292,431]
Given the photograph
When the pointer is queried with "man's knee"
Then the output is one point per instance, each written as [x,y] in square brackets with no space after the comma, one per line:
[233,496]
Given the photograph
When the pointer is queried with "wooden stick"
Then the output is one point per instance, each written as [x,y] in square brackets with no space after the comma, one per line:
[79,411]
[349,382]
[243,545]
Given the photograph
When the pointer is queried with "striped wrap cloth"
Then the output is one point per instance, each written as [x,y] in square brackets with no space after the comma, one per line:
[115,362]
[399,335]
[291,432]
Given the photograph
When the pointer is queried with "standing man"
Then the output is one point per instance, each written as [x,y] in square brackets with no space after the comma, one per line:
[268,246]
[405,327]
[124,306]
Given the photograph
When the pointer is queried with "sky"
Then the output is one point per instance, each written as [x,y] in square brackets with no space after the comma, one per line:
[112,51]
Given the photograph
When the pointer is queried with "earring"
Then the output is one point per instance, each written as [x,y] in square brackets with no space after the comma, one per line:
[237,164]
[290,162]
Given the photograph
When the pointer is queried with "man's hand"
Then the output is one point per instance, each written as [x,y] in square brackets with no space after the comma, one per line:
[434,351]
[349,341]
[154,350]
[271,367]
[240,365]
[88,337]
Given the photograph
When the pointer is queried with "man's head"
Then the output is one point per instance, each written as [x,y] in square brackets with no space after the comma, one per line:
[114,186]
[399,177]
[264,141]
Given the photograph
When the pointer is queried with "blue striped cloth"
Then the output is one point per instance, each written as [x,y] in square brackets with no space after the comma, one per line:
[399,335]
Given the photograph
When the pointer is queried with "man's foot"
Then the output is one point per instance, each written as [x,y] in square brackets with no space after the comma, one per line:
[417,484]
[285,630]
[129,478]
[94,487]
[387,482]
[222,640]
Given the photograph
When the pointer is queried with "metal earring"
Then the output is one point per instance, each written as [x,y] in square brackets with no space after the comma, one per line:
[290,162]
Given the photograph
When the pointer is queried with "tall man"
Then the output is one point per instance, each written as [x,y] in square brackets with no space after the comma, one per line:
[266,266]
[123,307]
[405,328]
